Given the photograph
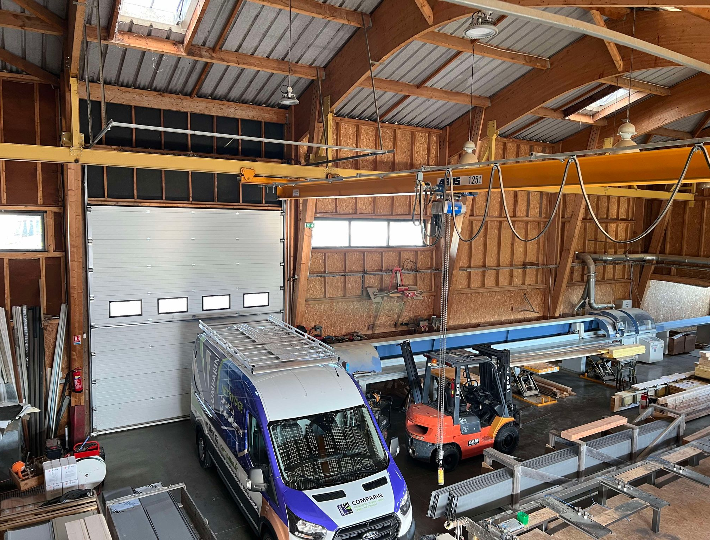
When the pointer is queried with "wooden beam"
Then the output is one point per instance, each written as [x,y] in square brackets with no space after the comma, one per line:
[588,100]
[195,20]
[675,133]
[28,67]
[113,22]
[42,13]
[559,115]
[397,87]
[613,12]
[703,122]
[611,47]
[172,102]
[130,40]
[425,10]
[702,12]
[481,49]
[654,248]
[609,3]
[593,137]
[620,104]
[564,265]
[688,98]
[218,45]
[313,8]
[306,215]
[640,86]
[75,36]
[22,21]
[19,77]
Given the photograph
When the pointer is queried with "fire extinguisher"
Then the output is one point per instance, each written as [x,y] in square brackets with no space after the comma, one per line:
[643,403]
[78,385]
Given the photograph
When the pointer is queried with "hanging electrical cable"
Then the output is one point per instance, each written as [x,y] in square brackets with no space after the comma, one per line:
[442,344]
[372,80]
[101,63]
[449,174]
[554,210]
[666,208]
[288,97]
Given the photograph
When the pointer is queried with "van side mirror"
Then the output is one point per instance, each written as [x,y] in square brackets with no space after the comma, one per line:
[256,480]
[394,446]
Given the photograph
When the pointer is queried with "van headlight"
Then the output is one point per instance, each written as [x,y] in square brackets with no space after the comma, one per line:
[305,529]
[405,504]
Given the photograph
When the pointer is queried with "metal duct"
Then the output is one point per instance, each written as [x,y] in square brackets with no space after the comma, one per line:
[589,294]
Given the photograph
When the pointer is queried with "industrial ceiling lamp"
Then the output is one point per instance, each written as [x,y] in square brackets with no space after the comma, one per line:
[469,147]
[481,26]
[288,98]
[627,130]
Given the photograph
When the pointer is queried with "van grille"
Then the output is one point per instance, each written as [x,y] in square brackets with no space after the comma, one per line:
[381,528]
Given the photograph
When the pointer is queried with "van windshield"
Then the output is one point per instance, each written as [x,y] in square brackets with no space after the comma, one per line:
[328,448]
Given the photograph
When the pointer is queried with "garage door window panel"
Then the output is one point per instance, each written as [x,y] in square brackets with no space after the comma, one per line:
[125,308]
[216,302]
[172,305]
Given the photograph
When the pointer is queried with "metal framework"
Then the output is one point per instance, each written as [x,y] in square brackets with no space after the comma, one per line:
[269,345]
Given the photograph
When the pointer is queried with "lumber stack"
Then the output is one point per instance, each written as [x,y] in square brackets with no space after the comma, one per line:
[592,428]
[702,369]
[553,389]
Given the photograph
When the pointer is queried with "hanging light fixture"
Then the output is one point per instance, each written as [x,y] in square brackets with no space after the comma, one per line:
[469,147]
[627,130]
[288,98]
[481,26]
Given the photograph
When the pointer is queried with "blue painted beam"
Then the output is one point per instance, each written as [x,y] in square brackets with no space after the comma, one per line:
[682,323]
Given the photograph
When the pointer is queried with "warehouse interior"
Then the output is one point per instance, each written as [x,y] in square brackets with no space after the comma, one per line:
[354,269]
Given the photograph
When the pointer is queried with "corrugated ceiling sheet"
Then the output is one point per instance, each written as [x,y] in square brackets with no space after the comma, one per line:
[569,96]
[689,123]
[551,130]
[42,50]
[667,76]
[518,124]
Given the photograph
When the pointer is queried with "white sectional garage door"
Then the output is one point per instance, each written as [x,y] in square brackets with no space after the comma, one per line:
[154,272]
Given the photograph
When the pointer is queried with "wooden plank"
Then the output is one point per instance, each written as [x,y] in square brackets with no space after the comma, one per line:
[139,42]
[697,435]
[425,10]
[173,102]
[544,112]
[113,22]
[638,86]
[611,47]
[42,13]
[573,228]
[195,20]
[428,92]
[699,127]
[28,67]
[674,133]
[482,49]
[303,259]
[316,9]
[592,428]
[22,21]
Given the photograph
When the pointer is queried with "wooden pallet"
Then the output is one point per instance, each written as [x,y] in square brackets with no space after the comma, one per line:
[537,401]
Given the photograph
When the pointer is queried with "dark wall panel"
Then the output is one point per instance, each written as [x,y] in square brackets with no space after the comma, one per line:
[146,138]
[202,187]
[177,186]
[228,188]
[18,114]
[149,184]
[119,136]
[175,141]
[95,182]
[24,282]
[53,284]
[21,182]
[119,183]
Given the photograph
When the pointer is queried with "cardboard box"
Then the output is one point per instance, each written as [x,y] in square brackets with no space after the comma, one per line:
[53,490]
[70,485]
[681,342]
[69,473]
[52,472]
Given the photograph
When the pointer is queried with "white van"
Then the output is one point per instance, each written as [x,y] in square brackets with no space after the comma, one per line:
[293,437]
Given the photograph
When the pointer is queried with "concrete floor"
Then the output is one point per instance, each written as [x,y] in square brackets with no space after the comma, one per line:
[166,453]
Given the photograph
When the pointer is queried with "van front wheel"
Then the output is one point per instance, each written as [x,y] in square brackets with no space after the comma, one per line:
[202,454]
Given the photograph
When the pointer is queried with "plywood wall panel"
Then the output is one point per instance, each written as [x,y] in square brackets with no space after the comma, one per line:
[366,205]
[346,205]
[421,149]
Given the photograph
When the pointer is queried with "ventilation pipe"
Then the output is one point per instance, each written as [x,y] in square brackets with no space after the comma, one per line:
[588,296]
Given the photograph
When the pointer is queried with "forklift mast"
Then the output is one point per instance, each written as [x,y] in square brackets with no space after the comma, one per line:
[502,361]
[415,385]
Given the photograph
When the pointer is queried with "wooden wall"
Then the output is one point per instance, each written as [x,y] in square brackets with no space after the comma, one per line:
[501,279]
[28,115]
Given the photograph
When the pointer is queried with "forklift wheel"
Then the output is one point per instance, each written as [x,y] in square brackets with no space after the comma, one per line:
[451,457]
[507,438]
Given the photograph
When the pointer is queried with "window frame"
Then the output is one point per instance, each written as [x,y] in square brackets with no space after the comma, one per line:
[349,245]
[187,305]
[140,300]
[229,297]
[43,220]
[268,299]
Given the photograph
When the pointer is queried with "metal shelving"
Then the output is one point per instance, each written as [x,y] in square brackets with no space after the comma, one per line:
[269,345]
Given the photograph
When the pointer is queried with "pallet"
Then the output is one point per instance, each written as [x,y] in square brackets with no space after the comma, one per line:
[553,389]
[537,401]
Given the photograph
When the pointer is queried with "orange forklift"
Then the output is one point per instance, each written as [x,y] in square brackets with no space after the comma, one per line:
[478,411]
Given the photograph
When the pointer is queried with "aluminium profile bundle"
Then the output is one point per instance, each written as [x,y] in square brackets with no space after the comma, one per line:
[8,373]
[19,325]
[56,372]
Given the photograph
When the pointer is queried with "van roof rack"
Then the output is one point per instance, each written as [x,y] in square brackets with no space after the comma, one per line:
[269,345]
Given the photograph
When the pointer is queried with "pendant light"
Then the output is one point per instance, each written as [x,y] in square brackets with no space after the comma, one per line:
[469,147]
[481,26]
[288,98]
[627,130]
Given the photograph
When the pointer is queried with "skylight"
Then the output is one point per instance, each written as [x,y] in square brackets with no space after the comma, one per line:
[603,103]
[166,14]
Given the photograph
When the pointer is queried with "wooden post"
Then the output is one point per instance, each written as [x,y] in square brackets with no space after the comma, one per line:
[307,212]
[654,247]
[593,137]
[564,268]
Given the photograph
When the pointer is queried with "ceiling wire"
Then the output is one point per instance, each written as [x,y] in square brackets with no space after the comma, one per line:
[372,80]
[631,65]
[290,23]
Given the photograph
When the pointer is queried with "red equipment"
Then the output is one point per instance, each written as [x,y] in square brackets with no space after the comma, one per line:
[86,449]
[76,380]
